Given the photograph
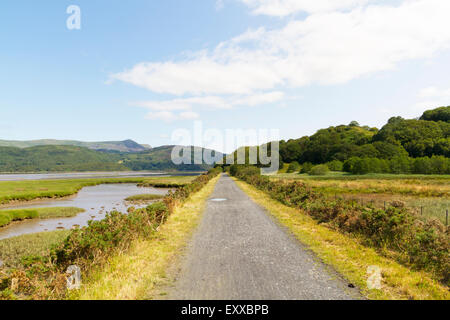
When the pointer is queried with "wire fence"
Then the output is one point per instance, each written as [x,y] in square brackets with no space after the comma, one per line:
[425,208]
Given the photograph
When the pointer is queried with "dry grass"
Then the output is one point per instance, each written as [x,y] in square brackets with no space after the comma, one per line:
[349,257]
[138,273]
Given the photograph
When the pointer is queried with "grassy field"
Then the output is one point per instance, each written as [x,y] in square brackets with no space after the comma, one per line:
[349,257]
[8,216]
[142,272]
[12,250]
[11,191]
[426,195]
[144,198]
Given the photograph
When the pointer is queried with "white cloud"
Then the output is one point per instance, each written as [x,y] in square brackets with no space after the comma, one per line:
[325,48]
[166,110]
[189,115]
[282,8]
[261,98]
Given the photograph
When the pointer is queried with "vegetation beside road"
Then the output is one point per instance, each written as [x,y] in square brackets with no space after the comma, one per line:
[43,277]
[142,272]
[8,216]
[348,256]
[395,232]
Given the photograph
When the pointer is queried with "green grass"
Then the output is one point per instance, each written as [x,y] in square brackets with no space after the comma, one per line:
[8,216]
[13,250]
[11,191]
[144,197]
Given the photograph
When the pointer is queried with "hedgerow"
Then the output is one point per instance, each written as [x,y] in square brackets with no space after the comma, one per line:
[395,231]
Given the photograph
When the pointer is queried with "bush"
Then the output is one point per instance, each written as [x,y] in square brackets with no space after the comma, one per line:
[335,165]
[319,170]
[306,167]
[293,167]
[421,245]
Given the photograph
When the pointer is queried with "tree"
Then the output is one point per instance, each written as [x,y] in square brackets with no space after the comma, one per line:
[293,167]
[438,114]
[335,165]
[319,170]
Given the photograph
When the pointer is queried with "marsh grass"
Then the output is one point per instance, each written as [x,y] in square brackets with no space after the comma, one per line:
[144,198]
[8,216]
[14,250]
[11,191]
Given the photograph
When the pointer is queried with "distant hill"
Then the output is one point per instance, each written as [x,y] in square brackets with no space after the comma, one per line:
[119,146]
[160,159]
[73,158]
[57,159]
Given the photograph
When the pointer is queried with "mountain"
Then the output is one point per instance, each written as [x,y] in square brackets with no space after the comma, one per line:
[119,146]
[57,159]
[60,158]
[160,159]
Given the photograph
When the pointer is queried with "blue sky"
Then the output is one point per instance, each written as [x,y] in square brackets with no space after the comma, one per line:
[141,69]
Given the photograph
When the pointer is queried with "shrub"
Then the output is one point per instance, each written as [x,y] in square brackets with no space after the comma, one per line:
[422,245]
[306,167]
[335,165]
[293,167]
[319,170]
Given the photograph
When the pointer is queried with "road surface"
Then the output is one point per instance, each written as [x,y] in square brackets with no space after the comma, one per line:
[240,253]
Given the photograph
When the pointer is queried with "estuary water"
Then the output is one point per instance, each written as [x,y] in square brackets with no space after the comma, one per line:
[97,201]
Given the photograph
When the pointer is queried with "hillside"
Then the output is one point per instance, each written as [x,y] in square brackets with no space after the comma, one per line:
[73,158]
[399,137]
[57,158]
[401,146]
[160,159]
[120,146]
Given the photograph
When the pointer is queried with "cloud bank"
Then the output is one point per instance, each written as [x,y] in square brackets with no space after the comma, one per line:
[338,41]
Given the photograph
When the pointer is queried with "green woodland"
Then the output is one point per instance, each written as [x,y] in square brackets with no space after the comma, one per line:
[67,158]
[419,146]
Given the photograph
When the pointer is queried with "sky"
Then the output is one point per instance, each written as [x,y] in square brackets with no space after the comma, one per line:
[142,69]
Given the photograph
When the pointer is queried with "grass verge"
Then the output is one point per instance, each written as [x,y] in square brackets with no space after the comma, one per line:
[349,257]
[13,250]
[8,216]
[139,272]
[144,198]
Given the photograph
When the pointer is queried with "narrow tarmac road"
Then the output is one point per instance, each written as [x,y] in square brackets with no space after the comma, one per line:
[240,253]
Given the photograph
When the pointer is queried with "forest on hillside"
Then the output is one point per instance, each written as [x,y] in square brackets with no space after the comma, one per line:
[419,146]
[401,146]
